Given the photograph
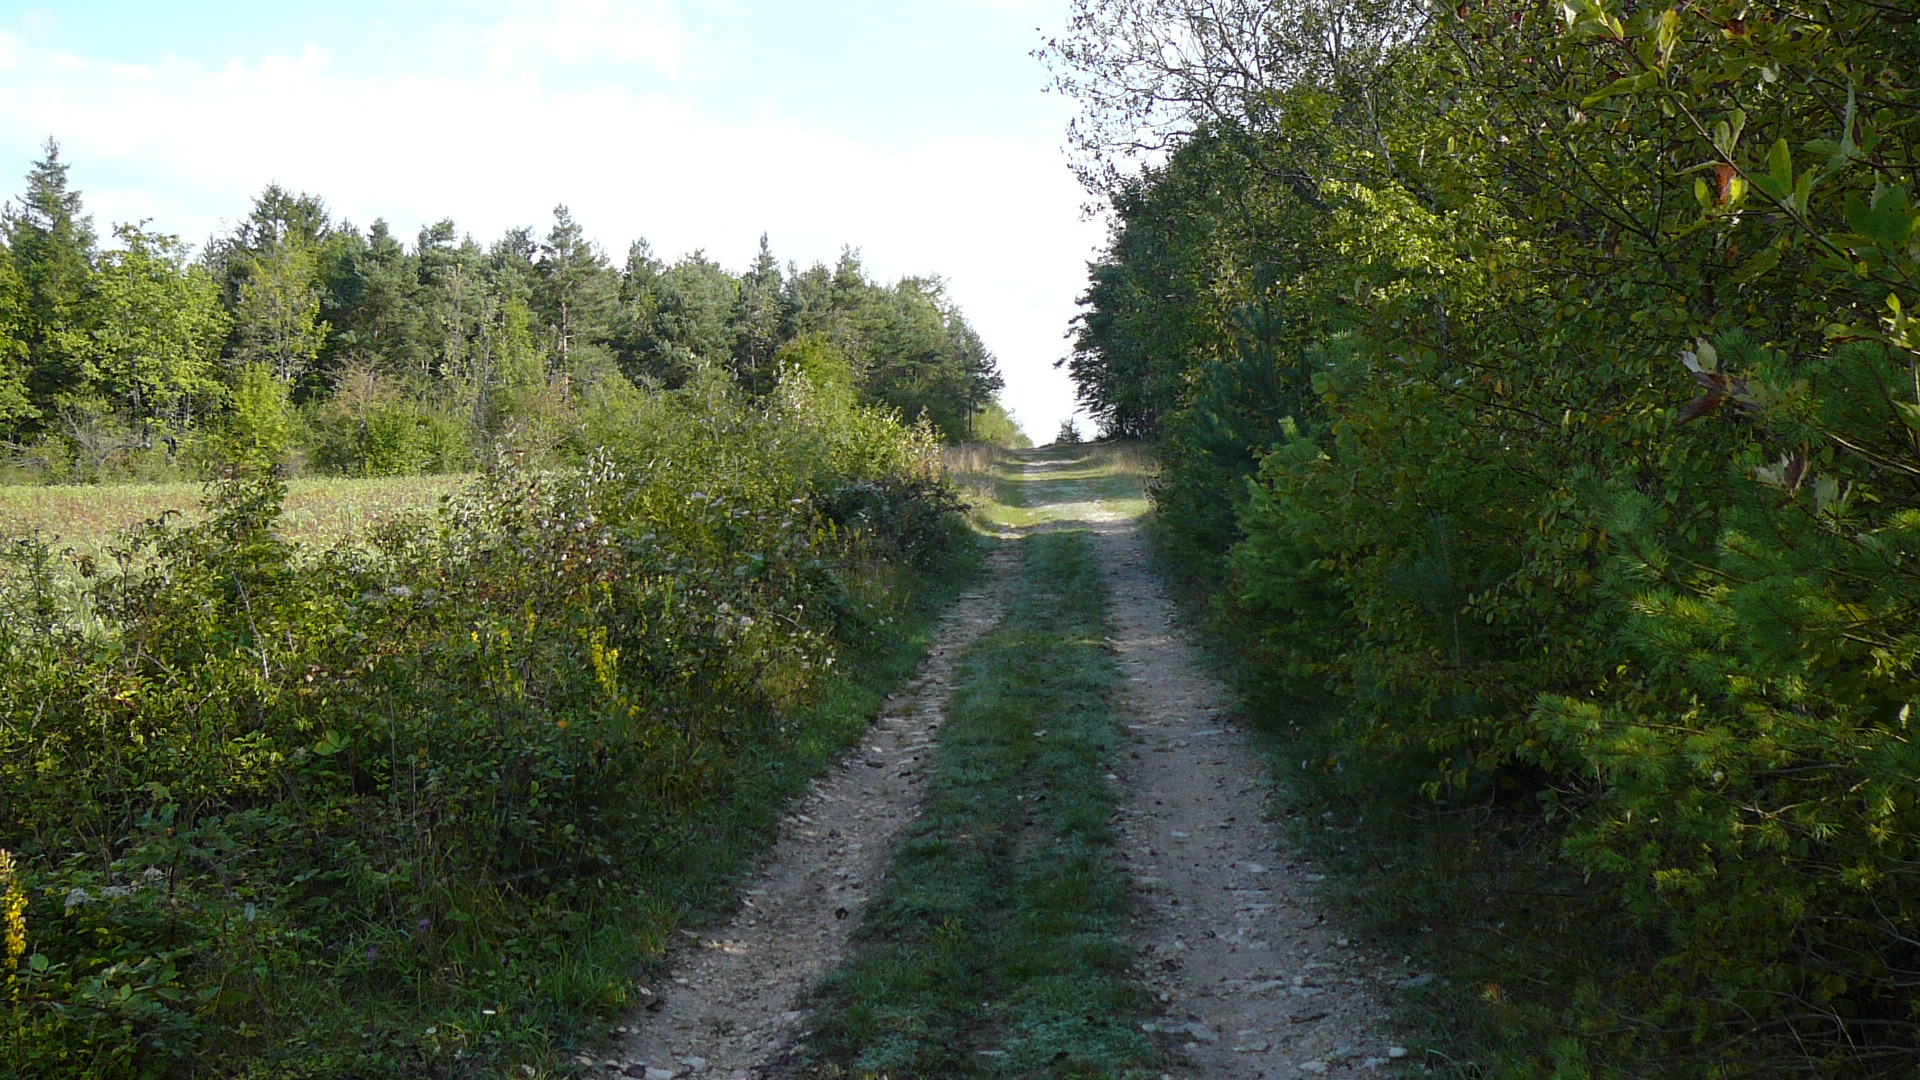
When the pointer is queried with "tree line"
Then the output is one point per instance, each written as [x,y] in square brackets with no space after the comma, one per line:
[349,350]
[1536,386]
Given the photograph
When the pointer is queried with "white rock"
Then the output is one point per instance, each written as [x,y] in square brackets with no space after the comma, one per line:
[1315,1067]
[1396,1052]
[654,1073]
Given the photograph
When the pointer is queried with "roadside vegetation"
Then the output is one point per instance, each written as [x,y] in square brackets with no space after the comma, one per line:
[399,641]
[997,946]
[423,804]
[1535,388]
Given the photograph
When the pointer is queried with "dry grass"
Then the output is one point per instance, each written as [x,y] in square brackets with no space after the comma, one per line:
[976,469]
[320,511]
[1129,459]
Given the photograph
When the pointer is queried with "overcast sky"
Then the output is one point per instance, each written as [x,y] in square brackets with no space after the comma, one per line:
[916,131]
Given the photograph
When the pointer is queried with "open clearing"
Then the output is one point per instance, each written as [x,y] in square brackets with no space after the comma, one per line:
[323,510]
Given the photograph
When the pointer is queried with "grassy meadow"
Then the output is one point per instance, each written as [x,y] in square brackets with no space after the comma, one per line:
[87,518]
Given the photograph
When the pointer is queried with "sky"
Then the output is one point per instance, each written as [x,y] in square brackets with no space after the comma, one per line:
[918,132]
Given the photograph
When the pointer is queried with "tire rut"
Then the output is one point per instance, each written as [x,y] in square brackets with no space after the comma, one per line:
[734,996]
[1256,977]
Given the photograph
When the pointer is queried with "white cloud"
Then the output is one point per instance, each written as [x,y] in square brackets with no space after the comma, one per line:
[190,146]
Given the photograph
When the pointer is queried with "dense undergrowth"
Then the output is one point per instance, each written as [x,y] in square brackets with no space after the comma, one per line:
[418,806]
[997,947]
[1536,390]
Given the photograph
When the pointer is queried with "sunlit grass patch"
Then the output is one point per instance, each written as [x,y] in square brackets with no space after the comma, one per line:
[1056,484]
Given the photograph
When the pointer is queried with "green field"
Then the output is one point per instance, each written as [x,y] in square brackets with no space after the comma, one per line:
[324,510]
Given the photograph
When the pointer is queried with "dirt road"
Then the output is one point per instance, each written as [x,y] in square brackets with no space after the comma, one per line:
[1256,978]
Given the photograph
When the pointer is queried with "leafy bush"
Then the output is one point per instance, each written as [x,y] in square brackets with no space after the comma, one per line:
[1545,393]
[373,426]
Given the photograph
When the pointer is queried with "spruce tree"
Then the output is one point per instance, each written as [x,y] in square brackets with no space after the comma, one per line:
[370,303]
[53,248]
[16,406]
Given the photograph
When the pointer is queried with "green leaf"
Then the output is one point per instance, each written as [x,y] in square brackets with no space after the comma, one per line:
[1780,169]
[1627,85]
[1726,133]
[1666,34]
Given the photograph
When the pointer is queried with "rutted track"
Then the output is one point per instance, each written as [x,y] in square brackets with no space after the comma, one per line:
[1256,979]
[733,998]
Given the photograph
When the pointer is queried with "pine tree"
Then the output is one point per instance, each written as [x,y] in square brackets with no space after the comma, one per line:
[760,318]
[576,292]
[451,302]
[693,324]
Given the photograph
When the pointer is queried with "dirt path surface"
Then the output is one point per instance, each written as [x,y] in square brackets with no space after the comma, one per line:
[734,995]
[1257,979]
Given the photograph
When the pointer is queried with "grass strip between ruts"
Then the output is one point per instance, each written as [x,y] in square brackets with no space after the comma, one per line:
[996,947]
